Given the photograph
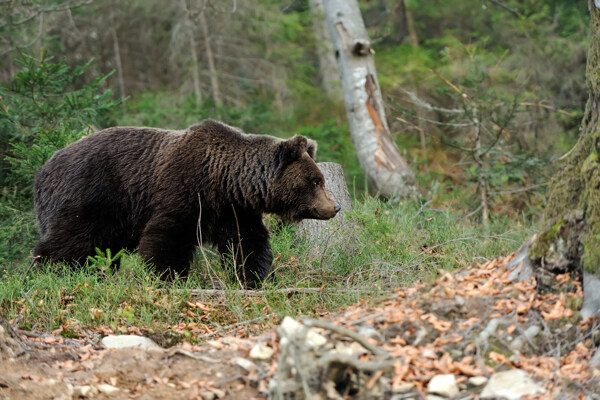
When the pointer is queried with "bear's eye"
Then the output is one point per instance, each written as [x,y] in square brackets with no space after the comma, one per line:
[317,182]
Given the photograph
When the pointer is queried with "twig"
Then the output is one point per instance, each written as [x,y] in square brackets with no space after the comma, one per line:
[228,327]
[526,189]
[546,106]
[513,11]
[424,104]
[259,293]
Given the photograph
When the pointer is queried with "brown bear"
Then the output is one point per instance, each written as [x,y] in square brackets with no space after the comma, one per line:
[166,192]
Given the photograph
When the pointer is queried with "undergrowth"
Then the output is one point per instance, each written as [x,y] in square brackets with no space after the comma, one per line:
[392,245]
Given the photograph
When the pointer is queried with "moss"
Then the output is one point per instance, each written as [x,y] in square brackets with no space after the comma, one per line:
[591,197]
[572,215]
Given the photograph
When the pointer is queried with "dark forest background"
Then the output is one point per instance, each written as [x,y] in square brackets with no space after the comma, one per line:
[70,67]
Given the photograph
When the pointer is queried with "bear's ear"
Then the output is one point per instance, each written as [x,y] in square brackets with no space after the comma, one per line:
[292,149]
[312,149]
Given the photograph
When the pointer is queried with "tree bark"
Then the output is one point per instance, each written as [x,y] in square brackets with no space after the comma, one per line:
[117,51]
[214,80]
[339,229]
[387,172]
[570,239]
[189,28]
[328,68]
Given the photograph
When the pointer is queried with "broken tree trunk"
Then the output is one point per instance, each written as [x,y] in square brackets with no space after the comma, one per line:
[338,229]
[387,172]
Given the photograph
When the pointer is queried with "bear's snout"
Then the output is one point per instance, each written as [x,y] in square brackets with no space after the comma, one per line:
[337,208]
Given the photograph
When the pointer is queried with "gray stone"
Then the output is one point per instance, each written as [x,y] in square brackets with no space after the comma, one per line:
[261,351]
[245,364]
[107,389]
[444,385]
[434,397]
[477,380]
[512,385]
[591,295]
[521,265]
[595,360]
[125,341]
[404,387]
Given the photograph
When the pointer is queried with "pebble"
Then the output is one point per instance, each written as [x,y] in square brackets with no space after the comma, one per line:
[124,341]
[245,364]
[261,351]
[477,380]
[444,385]
[512,385]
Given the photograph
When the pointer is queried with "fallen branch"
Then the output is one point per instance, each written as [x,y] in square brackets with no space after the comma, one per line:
[260,293]
[228,327]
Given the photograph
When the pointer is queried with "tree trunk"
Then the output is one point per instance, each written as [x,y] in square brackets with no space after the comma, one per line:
[330,77]
[324,234]
[117,51]
[570,239]
[214,80]
[387,172]
[189,28]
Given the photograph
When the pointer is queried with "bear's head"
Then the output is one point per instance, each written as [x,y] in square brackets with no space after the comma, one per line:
[298,191]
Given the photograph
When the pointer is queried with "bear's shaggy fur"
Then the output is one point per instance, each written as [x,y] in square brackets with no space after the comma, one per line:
[165,192]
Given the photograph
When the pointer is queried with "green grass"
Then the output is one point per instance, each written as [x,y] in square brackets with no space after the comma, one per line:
[392,245]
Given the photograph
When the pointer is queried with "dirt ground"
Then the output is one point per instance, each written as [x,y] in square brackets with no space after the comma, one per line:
[68,371]
[466,324]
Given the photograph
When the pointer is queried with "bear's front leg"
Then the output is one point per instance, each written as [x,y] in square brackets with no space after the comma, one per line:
[168,243]
[246,239]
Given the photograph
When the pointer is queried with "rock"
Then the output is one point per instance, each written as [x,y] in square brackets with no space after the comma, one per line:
[477,380]
[595,360]
[591,295]
[434,397]
[404,387]
[124,341]
[82,391]
[261,352]
[291,328]
[245,364]
[521,265]
[444,385]
[512,385]
[207,395]
[107,389]
[314,339]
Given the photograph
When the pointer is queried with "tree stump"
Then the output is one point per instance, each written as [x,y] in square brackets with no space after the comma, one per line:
[338,229]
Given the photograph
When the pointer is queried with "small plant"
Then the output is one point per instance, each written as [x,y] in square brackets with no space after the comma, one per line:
[103,261]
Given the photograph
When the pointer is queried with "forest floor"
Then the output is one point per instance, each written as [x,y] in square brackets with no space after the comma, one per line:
[470,323]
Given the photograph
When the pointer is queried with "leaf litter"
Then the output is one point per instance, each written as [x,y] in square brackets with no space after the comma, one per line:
[470,323]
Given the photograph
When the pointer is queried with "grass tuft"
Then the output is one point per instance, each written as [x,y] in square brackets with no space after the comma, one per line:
[393,245]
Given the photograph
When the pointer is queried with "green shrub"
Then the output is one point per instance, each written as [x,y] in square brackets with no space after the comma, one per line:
[45,107]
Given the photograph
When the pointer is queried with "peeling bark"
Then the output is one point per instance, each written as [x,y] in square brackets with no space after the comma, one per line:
[387,172]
